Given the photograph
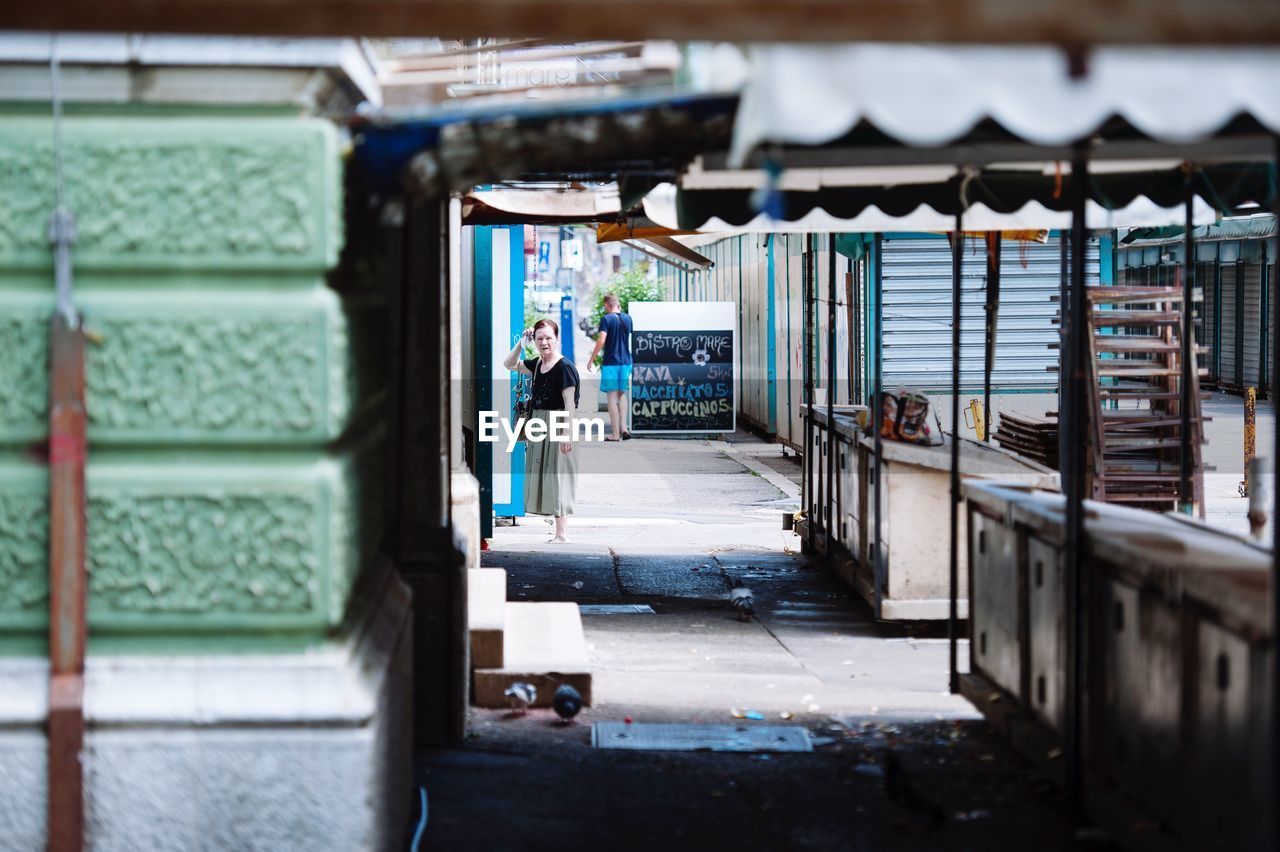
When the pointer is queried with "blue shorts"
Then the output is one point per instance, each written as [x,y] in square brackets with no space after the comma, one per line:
[615,377]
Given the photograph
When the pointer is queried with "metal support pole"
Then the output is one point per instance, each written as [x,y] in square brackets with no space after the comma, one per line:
[992,316]
[829,521]
[67,577]
[807,275]
[953,614]
[877,414]
[1187,502]
[851,330]
[1275,531]
[1073,482]
[1064,332]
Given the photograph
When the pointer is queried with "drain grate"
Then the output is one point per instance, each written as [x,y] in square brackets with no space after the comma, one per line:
[668,737]
[615,609]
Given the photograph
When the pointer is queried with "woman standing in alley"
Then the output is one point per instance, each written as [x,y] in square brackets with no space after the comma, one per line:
[550,467]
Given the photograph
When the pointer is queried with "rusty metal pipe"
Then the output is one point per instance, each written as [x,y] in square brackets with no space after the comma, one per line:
[992,316]
[1250,439]
[67,585]
[1187,501]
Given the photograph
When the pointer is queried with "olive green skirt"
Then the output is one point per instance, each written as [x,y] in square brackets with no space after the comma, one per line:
[550,476]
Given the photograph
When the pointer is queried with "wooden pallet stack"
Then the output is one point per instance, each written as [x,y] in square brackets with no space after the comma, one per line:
[1030,437]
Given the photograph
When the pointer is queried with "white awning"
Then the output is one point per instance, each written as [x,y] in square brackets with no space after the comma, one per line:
[567,204]
[660,206]
[925,95]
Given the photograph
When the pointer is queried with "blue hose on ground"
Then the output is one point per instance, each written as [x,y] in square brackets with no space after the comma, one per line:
[422,823]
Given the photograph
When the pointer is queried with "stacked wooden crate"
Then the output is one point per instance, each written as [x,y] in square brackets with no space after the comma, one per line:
[1135,430]
[1031,437]
[1133,414]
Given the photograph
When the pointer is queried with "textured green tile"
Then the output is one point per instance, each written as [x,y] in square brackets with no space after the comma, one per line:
[264,544]
[175,192]
[199,367]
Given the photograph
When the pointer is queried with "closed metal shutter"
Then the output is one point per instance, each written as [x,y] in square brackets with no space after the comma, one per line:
[1251,289]
[1229,358]
[917,313]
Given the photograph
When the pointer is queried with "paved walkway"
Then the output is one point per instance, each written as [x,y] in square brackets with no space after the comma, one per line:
[658,521]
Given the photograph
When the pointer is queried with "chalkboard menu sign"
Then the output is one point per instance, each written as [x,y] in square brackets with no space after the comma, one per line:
[682,379]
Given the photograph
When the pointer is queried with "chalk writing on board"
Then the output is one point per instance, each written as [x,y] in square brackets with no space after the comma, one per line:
[682,381]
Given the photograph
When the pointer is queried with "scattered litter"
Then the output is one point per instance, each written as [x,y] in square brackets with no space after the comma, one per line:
[695,569]
[819,742]
[626,720]
[753,715]
[970,816]
[577,584]
[786,714]
[764,757]
[870,770]
[1053,754]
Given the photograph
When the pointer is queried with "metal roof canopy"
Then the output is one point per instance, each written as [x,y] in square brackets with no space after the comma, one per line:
[634,140]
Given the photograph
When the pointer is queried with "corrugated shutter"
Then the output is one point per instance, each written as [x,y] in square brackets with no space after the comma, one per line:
[1228,358]
[1251,275]
[917,313]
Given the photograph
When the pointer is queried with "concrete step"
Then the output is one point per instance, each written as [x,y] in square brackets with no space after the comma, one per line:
[486,615]
[544,645]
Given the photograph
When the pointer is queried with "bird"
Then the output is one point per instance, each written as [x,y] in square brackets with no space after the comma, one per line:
[743,601]
[567,702]
[741,598]
[520,695]
[925,813]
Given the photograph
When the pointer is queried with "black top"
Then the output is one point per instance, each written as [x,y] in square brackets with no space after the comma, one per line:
[617,343]
[548,387]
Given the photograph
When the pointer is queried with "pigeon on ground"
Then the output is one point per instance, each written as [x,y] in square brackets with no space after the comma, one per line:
[567,702]
[740,597]
[744,603]
[900,789]
[520,696]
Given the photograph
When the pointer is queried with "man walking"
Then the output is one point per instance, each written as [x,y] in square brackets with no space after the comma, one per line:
[615,373]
